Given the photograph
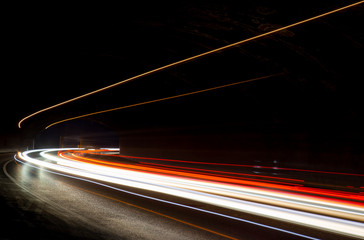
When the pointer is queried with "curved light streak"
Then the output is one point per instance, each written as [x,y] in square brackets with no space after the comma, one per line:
[191,58]
[165,201]
[215,193]
[251,185]
[160,99]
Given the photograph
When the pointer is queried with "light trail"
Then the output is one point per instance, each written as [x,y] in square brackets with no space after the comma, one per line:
[161,99]
[165,201]
[225,178]
[192,58]
[295,191]
[208,171]
[330,214]
[238,165]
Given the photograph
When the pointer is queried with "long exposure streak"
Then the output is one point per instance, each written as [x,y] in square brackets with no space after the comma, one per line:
[161,99]
[192,58]
[282,199]
[174,203]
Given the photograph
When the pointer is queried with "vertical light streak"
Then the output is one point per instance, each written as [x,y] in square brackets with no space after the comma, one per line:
[192,58]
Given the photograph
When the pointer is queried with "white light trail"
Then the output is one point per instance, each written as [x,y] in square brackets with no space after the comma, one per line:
[218,194]
[169,202]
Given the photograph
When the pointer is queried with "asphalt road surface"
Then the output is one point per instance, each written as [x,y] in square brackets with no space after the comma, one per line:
[39,204]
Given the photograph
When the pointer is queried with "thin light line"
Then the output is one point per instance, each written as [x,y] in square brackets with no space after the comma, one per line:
[192,58]
[161,99]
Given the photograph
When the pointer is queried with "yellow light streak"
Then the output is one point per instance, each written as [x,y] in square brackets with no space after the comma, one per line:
[191,58]
[162,99]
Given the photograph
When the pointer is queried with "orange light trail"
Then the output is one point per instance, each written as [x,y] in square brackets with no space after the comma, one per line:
[161,99]
[192,58]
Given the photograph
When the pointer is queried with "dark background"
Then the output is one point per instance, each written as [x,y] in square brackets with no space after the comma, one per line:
[311,113]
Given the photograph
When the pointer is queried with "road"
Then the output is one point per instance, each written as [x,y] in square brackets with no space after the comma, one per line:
[51,203]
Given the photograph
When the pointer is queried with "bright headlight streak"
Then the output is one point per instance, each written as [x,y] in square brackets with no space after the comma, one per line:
[266,197]
[53,158]
[236,191]
[309,219]
[303,191]
[278,200]
[169,202]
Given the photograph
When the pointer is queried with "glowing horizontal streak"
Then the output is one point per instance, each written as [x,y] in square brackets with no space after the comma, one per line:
[201,174]
[161,99]
[164,166]
[222,179]
[175,171]
[157,183]
[302,202]
[192,58]
[173,203]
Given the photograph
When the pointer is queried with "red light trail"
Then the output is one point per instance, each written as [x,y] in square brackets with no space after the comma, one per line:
[285,199]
